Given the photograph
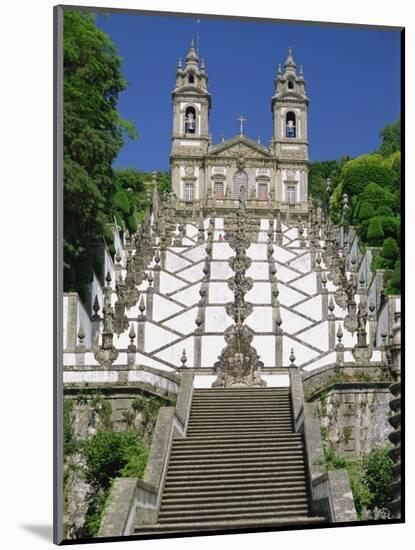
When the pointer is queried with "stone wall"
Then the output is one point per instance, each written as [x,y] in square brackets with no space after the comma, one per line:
[354,418]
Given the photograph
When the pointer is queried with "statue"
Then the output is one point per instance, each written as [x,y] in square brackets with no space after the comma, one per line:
[190,123]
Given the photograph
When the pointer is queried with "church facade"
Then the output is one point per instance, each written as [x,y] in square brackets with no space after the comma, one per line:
[217,175]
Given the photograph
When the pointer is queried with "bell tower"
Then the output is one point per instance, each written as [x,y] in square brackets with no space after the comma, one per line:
[289,107]
[190,137]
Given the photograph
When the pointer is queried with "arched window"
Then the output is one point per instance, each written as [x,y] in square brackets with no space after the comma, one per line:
[290,130]
[190,121]
[291,84]
[191,79]
[240,184]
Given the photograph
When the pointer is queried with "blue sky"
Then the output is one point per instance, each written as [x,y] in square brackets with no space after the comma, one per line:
[352,74]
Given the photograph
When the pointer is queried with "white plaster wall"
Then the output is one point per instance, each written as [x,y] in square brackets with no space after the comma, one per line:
[216,319]
[291,322]
[265,347]
[103,376]
[203,381]
[317,336]
[257,251]
[156,337]
[302,264]
[284,273]
[174,262]
[221,251]
[169,283]
[258,270]
[260,293]
[173,353]
[307,284]
[193,273]
[163,308]
[183,323]
[282,255]
[220,270]
[141,359]
[196,254]
[312,308]
[276,380]
[302,353]
[153,379]
[189,296]
[219,293]
[288,296]
[211,349]
[260,319]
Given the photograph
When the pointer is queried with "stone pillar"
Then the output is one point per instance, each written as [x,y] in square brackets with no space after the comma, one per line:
[95,324]
[150,294]
[339,347]
[72,321]
[200,323]
[141,325]
[332,325]
[132,348]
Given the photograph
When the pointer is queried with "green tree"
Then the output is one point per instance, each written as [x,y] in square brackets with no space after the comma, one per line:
[377,476]
[93,134]
[375,232]
[391,138]
[357,173]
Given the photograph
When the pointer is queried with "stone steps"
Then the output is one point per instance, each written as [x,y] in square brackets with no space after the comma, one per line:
[240,463]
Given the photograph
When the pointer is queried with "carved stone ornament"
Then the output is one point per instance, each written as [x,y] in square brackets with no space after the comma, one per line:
[340,298]
[362,355]
[350,322]
[239,365]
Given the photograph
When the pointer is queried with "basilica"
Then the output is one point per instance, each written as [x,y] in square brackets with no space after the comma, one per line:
[206,174]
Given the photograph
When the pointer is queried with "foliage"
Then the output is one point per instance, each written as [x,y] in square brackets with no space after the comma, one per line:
[93,134]
[357,173]
[122,201]
[377,476]
[391,138]
[390,249]
[370,478]
[365,211]
[107,453]
[375,232]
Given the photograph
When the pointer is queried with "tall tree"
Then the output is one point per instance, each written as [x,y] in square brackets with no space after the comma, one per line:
[93,135]
[391,138]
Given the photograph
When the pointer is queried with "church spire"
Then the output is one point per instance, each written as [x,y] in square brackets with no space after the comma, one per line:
[289,64]
[192,61]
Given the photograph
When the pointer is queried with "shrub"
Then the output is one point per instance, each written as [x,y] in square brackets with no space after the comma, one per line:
[357,173]
[377,476]
[366,211]
[375,233]
[390,249]
[394,280]
[377,196]
[132,223]
[384,211]
[107,453]
[122,201]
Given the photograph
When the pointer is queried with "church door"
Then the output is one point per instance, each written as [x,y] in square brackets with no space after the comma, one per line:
[240,184]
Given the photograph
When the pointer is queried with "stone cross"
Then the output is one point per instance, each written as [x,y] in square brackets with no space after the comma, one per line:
[241,121]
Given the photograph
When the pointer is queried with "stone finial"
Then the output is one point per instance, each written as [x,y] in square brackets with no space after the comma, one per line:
[81,334]
[96,308]
[371,307]
[292,358]
[108,278]
[118,256]
[157,260]
[331,304]
[362,280]
[279,69]
[132,334]
[150,278]
[318,259]
[324,279]
[180,63]
[183,358]
[384,336]
[339,335]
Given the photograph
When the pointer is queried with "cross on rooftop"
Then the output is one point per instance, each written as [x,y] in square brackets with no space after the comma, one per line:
[241,120]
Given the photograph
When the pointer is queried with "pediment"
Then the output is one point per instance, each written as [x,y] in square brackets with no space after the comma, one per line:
[241,146]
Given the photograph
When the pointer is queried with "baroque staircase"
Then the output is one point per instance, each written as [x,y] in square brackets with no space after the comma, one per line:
[240,465]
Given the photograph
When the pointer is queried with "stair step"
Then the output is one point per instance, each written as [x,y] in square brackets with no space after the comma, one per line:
[247,489]
[234,430]
[233,447]
[222,454]
[288,480]
[229,524]
[223,494]
[202,505]
[258,436]
[270,473]
[237,513]
[245,457]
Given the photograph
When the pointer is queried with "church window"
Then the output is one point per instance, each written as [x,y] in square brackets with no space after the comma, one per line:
[240,184]
[218,190]
[188,192]
[290,130]
[262,191]
[290,193]
[191,79]
[291,84]
[190,121]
